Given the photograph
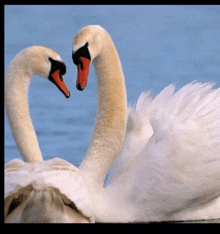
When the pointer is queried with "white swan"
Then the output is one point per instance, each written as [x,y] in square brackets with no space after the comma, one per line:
[37,190]
[32,60]
[167,148]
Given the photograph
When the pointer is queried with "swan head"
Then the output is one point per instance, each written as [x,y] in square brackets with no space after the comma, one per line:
[87,45]
[44,62]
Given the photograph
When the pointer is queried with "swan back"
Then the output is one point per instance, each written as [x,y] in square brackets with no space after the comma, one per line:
[45,187]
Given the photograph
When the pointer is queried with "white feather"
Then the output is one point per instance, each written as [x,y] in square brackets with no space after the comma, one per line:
[170,159]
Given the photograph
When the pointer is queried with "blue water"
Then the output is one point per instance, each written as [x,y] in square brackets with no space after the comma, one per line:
[158,45]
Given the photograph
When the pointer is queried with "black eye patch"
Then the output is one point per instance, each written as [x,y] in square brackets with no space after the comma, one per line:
[81,52]
[57,65]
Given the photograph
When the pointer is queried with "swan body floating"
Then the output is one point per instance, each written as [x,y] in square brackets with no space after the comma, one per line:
[166,149]
[37,190]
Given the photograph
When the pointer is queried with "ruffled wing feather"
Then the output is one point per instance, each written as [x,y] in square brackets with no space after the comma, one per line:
[170,160]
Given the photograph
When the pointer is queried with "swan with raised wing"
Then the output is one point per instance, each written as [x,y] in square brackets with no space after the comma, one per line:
[166,149]
[37,190]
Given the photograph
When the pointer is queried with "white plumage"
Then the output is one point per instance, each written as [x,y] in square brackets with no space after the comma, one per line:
[167,164]
[37,190]
[40,179]
[170,159]
[165,149]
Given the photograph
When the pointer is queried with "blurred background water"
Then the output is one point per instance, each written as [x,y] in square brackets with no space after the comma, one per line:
[158,45]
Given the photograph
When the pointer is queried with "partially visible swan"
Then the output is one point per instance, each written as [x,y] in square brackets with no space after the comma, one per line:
[37,190]
[43,62]
[51,191]
[166,149]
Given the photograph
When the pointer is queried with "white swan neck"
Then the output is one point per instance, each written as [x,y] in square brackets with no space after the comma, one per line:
[18,78]
[109,130]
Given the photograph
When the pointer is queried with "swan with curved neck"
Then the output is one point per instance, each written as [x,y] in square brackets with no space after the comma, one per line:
[109,130]
[37,190]
[165,150]
[34,60]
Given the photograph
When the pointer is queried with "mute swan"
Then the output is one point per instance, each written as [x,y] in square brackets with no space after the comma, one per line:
[166,150]
[37,190]
[32,60]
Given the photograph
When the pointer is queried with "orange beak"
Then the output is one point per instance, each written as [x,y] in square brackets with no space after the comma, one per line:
[58,80]
[83,72]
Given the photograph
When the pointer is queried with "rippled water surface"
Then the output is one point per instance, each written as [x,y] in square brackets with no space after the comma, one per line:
[158,45]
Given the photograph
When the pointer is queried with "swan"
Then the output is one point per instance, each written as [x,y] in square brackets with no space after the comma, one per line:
[37,190]
[164,152]
[32,60]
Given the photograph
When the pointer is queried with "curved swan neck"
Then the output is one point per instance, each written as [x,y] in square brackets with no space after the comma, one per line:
[18,78]
[109,130]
